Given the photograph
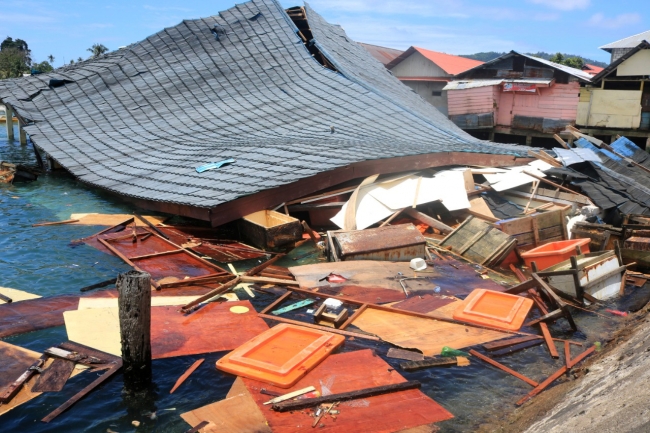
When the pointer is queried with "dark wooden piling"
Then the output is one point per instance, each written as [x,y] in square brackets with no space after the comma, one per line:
[134,301]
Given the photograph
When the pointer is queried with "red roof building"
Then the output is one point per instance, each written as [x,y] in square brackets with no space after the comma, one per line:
[427,72]
[591,69]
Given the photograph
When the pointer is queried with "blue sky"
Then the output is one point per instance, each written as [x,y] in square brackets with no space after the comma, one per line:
[66,28]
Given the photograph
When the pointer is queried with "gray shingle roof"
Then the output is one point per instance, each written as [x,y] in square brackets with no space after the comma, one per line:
[237,85]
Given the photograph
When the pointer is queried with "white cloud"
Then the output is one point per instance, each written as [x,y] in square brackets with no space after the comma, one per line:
[440,8]
[26,19]
[600,20]
[563,5]
[401,35]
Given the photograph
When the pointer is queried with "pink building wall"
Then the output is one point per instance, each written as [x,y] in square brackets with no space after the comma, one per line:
[560,101]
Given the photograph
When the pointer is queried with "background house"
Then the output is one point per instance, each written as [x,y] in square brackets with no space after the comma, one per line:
[524,97]
[617,102]
[427,72]
[383,54]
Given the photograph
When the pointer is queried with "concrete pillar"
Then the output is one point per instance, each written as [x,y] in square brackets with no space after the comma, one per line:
[491,138]
[10,123]
[529,140]
[570,142]
[23,135]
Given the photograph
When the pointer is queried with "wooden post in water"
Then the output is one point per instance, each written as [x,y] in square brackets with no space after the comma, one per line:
[10,123]
[22,135]
[134,302]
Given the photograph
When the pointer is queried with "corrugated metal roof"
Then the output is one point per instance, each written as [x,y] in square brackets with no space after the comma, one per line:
[629,42]
[383,54]
[582,75]
[239,85]
[470,84]
[447,62]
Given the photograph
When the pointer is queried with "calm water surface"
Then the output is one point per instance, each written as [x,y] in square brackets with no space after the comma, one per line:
[41,261]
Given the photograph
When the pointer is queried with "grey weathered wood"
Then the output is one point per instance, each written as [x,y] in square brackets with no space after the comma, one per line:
[134,302]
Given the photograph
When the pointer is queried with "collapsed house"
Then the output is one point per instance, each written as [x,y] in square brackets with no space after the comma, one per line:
[289,100]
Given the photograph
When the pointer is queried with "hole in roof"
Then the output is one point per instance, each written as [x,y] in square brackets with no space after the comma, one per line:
[299,18]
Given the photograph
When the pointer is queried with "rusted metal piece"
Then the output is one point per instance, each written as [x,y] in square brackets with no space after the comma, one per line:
[394,243]
[637,243]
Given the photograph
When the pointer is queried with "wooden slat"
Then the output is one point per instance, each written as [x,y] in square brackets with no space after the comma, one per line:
[502,367]
[78,396]
[187,374]
[549,340]
[542,386]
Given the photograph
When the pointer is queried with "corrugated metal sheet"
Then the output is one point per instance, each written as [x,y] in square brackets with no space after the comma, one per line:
[470,84]
[629,42]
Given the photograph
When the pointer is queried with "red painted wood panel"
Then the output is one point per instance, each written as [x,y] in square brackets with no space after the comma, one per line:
[559,101]
[352,371]
[476,100]
[212,328]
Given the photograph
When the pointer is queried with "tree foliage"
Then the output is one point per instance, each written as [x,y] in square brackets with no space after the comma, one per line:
[574,62]
[42,67]
[15,58]
[97,50]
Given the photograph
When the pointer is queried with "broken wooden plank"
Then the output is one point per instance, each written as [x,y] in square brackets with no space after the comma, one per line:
[211,294]
[187,374]
[54,377]
[549,340]
[426,219]
[12,389]
[502,344]
[516,348]
[265,280]
[78,396]
[404,354]
[198,427]
[502,367]
[428,363]
[73,356]
[151,225]
[56,223]
[346,396]
[98,285]
[542,386]
[582,356]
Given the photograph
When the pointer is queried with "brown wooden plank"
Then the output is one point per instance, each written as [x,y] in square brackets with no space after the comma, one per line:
[549,340]
[501,344]
[542,386]
[78,396]
[287,406]
[428,363]
[54,377]
[55,223]
[187,374]
[502,367]
[516,348]
[582,356]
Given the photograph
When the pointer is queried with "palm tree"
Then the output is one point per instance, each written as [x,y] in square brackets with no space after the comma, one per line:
[80,59]
[50,58]
[97,50]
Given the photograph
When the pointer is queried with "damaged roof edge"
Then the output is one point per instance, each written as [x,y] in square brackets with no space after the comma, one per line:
[270,198]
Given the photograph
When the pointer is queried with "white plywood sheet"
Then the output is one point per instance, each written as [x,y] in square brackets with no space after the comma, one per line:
[16,295]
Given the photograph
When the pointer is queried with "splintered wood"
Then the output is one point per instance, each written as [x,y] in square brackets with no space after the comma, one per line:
[427,335]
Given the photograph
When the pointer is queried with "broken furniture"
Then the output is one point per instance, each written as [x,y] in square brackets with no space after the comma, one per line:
[537,229]
[391,243]
[597,275]
[553,253]
[602,236]
[281,355]
[331,311]
[479,242]
[268,229]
